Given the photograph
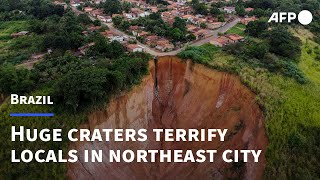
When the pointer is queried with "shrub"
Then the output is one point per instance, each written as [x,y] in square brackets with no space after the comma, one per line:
[202,54]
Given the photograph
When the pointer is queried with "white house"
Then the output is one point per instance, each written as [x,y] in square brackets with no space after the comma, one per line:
[135,48]
[117,38]
[144,14]
[130,16]
[229,9]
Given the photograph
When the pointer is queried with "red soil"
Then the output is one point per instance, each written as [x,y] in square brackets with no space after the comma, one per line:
[186,96]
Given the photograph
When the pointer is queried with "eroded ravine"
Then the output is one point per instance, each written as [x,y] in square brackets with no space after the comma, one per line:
[179,95]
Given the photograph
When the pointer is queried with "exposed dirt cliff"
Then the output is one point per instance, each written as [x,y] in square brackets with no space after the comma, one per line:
[179,95]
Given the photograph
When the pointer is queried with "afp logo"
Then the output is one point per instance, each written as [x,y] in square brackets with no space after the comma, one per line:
[304,17]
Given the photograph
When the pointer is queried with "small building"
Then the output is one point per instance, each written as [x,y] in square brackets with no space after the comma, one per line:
[234,38]
[96,12]
[88,9]
[202,33]
[115,15]
[134,48]
[135,30]
[130,16]
[249,9]
[226,40]
[143,34]
[84,49]
[220,41]
[18,34]
[108,19]
[164,45]
[102,18]
[214,25]
[151,39]
[154,9]
[229,9]
[246,20]
[117,38]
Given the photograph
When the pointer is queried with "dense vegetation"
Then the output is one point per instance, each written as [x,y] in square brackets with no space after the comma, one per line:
[77,85]
[19,49]
[264,8]
[50,27]
[25,9]
[291,108]
[278,51]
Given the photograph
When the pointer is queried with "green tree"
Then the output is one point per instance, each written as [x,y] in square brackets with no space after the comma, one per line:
[199,8]
[283,43]
[97,23]
[14,80]
[176,34]
[102,48]
[258,50]
[112,7]
[221,18]
[257,28]
[240,10]
[203,25]
[85,87]
[124,25]
[180,24]
[126,6]
[117,20]
[155,16]
[258,12]
[84,18]
[191,37]
[215,11]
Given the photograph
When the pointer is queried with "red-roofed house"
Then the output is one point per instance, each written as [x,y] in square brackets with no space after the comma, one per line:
[84,49]
[220,41]
[151,40]
[164,45]
[249,9]
[246,20]
[96,12]
[88,9]
[234,37]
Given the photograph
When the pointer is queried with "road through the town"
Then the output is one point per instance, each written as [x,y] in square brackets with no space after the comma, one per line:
[153,52]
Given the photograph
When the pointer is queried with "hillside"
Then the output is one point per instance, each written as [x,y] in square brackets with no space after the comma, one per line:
[291,108]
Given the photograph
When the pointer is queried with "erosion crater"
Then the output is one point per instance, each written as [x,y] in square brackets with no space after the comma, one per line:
[179,94]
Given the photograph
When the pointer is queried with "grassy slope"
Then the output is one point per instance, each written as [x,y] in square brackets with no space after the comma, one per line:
[19,49]
[292,118]
[238,29]
[291,109]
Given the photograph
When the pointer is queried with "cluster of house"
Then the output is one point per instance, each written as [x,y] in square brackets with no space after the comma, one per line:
[199,33]
[111,36]
[159,43]
[155,41]
[185,11]
[173,9]
[226,40]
